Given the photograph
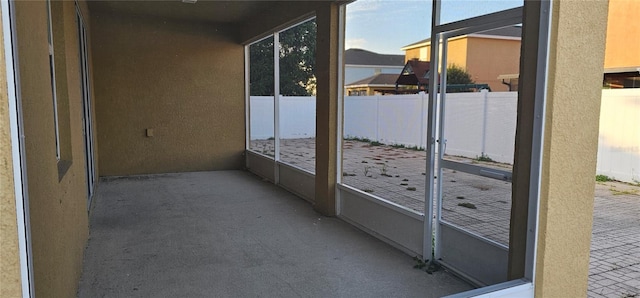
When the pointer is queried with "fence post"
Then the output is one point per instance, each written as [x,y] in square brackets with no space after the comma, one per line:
[423,123]
[485,95]
[377,118]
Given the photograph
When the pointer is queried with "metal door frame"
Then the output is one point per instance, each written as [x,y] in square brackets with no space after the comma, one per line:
[495,255]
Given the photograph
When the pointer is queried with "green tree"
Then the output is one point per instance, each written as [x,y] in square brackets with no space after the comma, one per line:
[458,75]
[261,67]
[297,62]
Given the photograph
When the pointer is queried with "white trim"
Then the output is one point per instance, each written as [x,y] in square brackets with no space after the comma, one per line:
[17,148]
[430,146]
[622,69]
[87,116]
[340,108]
[247,97]
[54,91]
[382,201]
[533,224]
[276,105]
[515,288]
[371,85]
[508,76]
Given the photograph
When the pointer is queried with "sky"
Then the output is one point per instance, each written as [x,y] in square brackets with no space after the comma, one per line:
[385,26]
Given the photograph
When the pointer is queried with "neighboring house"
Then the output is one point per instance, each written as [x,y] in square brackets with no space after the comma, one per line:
[413,78]
[381,83]
[360,64]
[622,52]
[485,55]
[493,56]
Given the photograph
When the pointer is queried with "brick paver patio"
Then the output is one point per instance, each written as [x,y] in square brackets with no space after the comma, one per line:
[482,205]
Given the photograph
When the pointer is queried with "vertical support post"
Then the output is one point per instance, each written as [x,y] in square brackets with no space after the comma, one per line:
[276,107]
[247,99]
[520,187]
[377,118]
[427,243]
[576,45]
[423,121]
[327,52]
[485,99]
[442,143]
[339,124]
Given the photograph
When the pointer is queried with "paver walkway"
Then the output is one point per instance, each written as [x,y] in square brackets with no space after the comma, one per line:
[483,205]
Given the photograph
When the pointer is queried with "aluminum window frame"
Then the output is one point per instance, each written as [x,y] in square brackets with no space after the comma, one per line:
[85,74]
[276,97]
[52,71]
[19,163]
[444,31]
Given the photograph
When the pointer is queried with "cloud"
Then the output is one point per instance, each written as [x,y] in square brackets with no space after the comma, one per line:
[355,43]
[362,8]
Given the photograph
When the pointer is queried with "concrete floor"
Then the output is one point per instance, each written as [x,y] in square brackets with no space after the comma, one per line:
[229,234]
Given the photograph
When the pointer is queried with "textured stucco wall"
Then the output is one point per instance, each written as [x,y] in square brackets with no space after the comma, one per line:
[327,49]
[570,147]
[623,29]
[10,280]
[59,225]
[184,81]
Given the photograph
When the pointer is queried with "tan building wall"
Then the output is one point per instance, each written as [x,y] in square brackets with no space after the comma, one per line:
[623,29]
[570,147]
[10,280]
[458,53]
[488,58]
[183,81]
[484,58]
[414,54]
[58,210]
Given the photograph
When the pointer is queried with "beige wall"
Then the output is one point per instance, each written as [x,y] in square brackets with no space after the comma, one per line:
[415,53]
[183,81]
[570,147]
[10,280]
[59,225]
[623,29]
[485,59]
[488,58]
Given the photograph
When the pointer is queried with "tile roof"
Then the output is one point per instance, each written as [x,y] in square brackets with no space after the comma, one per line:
[378,79]
[415,72]
[364,57]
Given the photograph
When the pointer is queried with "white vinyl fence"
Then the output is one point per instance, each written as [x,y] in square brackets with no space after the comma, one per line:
[619,140]
[480,123]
